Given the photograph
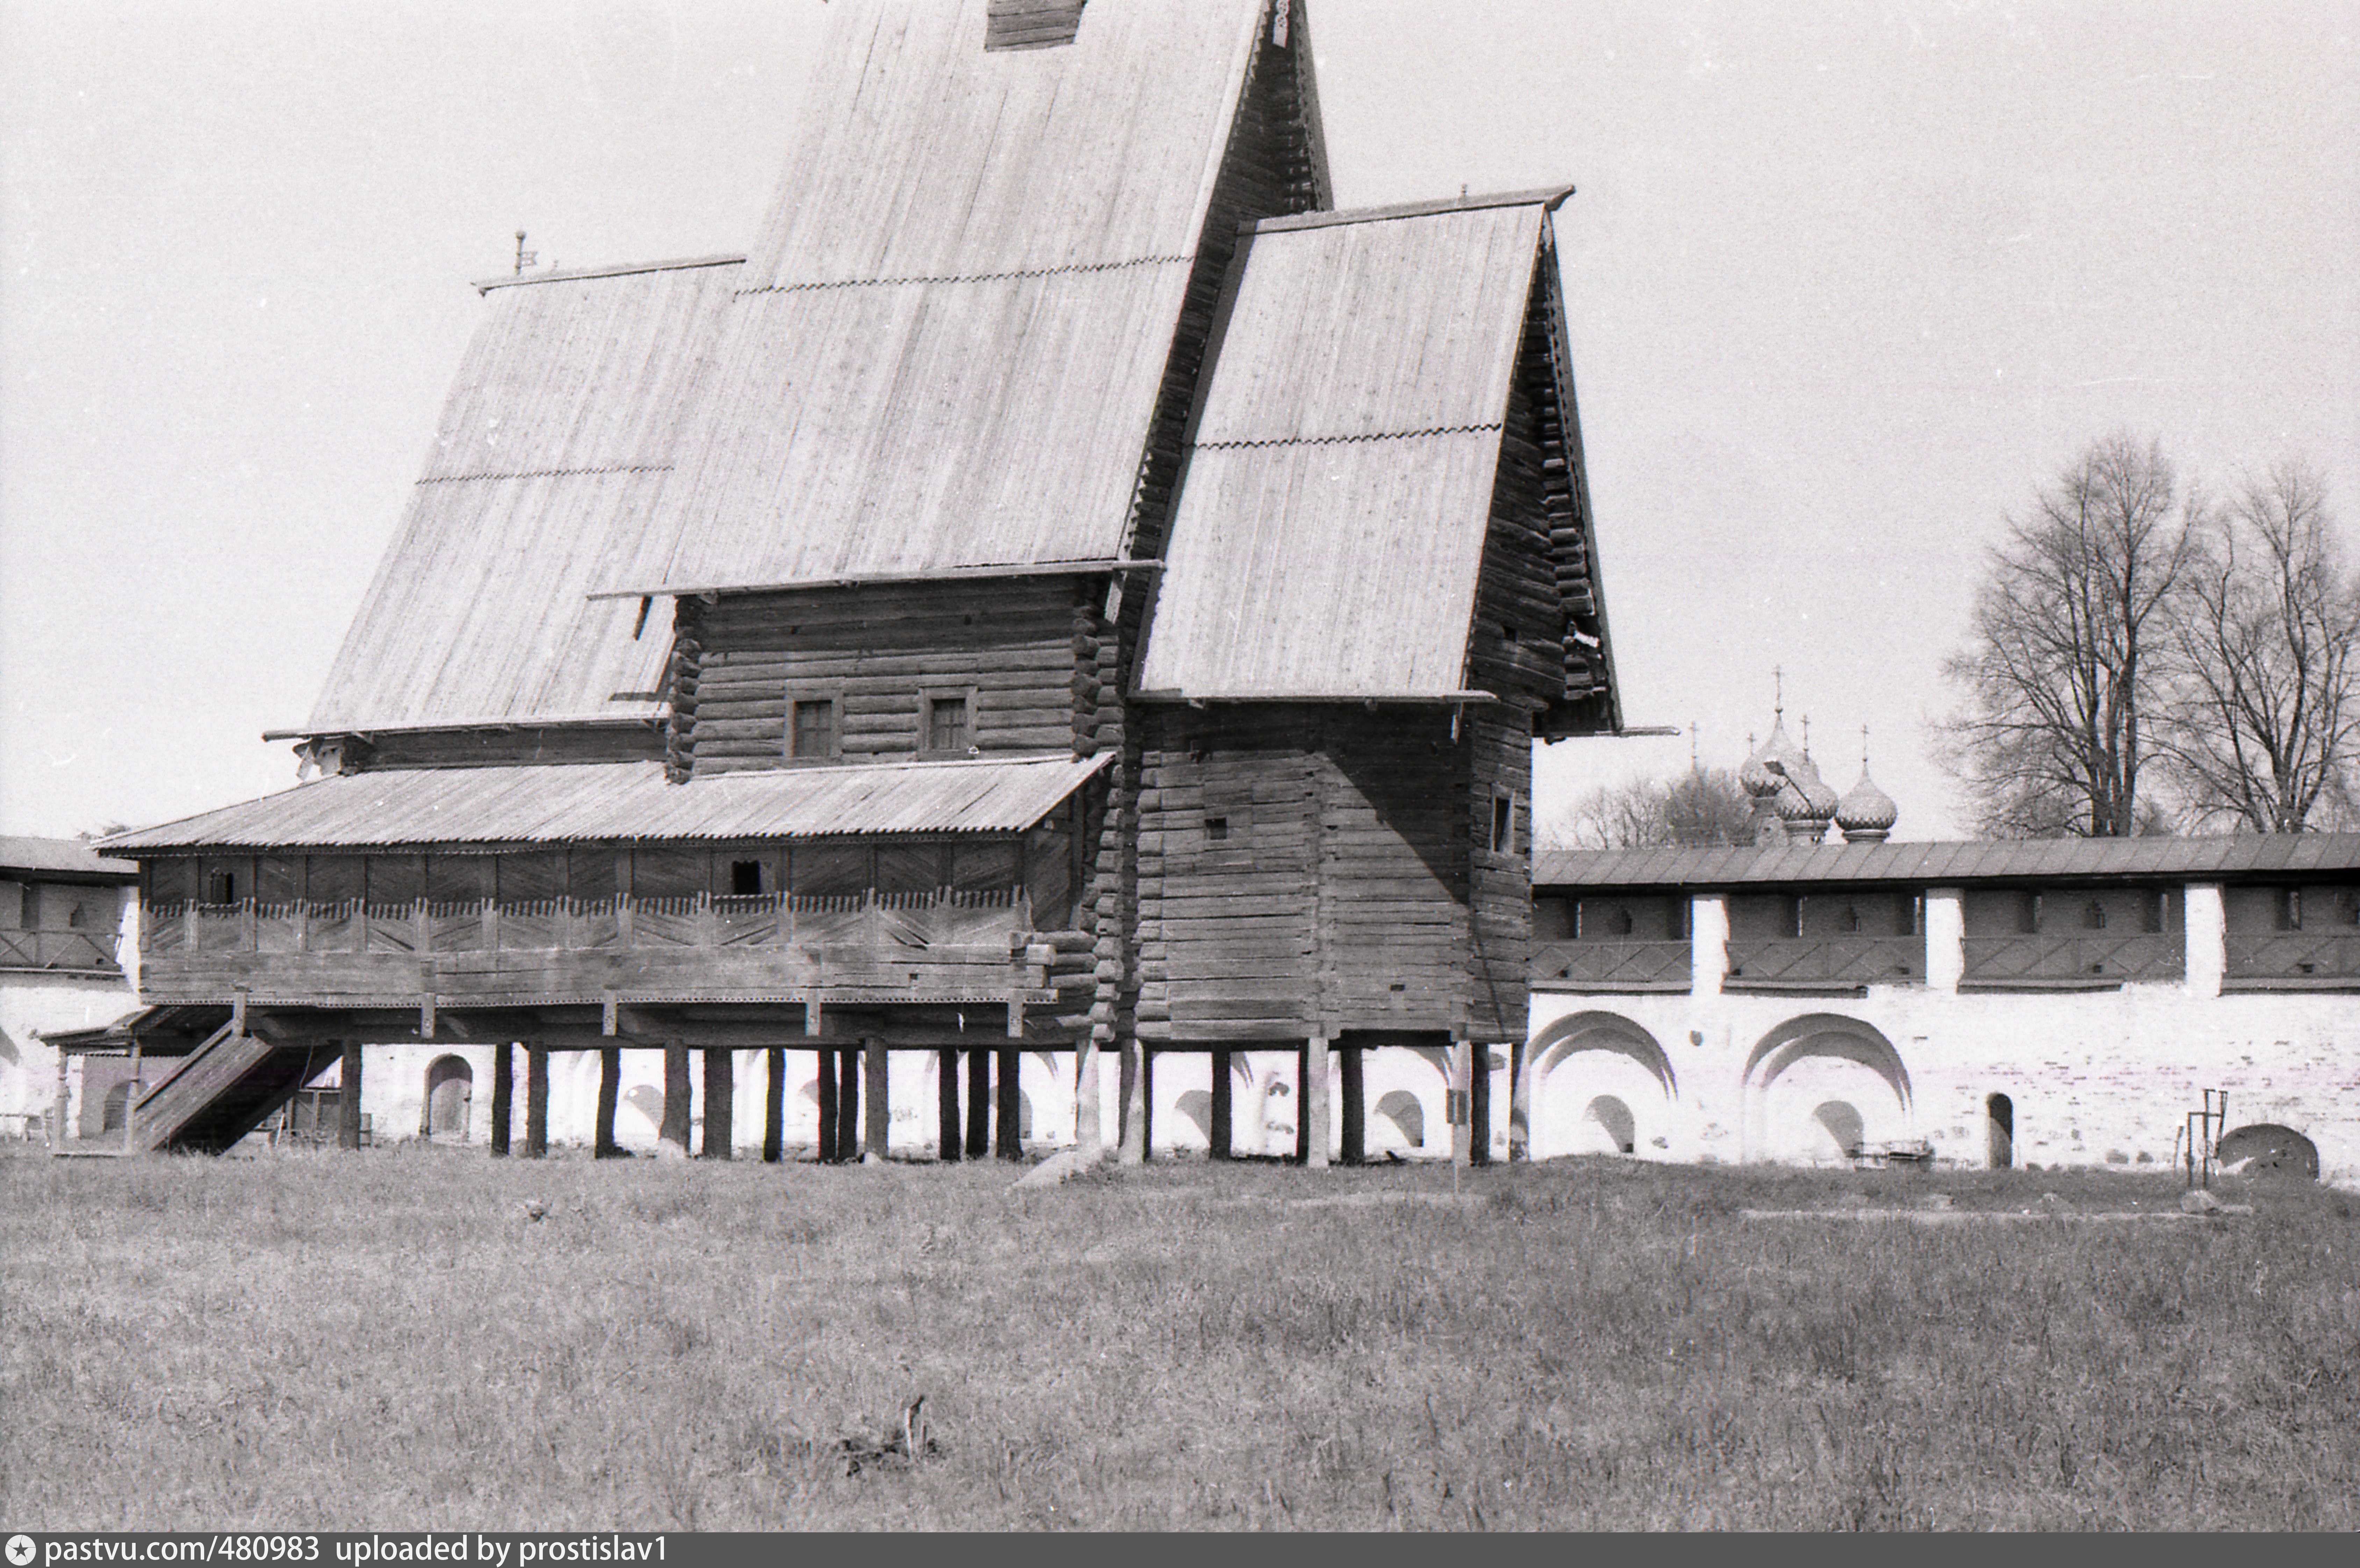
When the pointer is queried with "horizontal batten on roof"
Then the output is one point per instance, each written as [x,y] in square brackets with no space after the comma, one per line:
[1936,863]
[631,802]
[946,574]
[1549,196]
[622,269]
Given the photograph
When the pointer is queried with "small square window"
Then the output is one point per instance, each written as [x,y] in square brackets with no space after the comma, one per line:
[947,724]
[814,731]
[1503,824]
[746,879]
[1217,827]
[221,887]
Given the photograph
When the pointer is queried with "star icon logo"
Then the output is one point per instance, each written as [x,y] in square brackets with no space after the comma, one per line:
[20,1549]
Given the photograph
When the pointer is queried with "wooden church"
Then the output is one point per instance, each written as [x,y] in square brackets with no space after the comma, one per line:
[1065,589]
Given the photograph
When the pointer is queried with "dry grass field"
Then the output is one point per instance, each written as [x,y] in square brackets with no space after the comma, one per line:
[388,1340]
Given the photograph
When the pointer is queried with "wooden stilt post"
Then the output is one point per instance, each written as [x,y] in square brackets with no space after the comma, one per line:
[1479,1104]
[1315,1102]
[610,1095]
[878,1135]
[946,1104]
[1224,1105]
[1520,1108]
[536,1099]
[848,1104]
[1133,1123]
[720,1102]
[348,1099]
[1011,1136]
[1303,1104]
[1146,1086]
[775,1105]
[1356,1106]
[676,1101]
[1089,1110]
[503,1097]
[131,1103]
[978,1103]
[1462,1054]
[828,1154]
[59,1131]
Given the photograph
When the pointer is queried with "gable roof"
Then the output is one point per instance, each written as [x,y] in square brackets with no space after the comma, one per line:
[1332,515]
[69,859]
[605,801]
[554,443]
[949,342]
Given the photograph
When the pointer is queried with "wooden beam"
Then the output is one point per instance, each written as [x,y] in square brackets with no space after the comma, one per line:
[1146,1102]
[1314,1112]
[1303,1104]
[1462,1053]
[348,1099]
[828,1117]
[1224,1104]
[1010,1136]
[874,1057]
[1133,1147]
[978,1103]
[1479,1104]
[536,1099]
[503,1097]
[720,1104]
[774,1106]
[1356,1106]
[676,1095]
[610,1095]
[1088,1108]
[950,1133]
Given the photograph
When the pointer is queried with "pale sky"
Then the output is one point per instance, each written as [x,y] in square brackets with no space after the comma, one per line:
[1846,280]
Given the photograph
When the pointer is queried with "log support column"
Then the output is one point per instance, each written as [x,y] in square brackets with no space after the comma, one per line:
[1356,1106]
[880,1127]
[536,1101]
[677,1096]
[829,1153]
[1479,1104]
[1314,1112]
[1146,1094]
[848,1104]
[720,1102]
[1088,1108]
[1011,1133]
[348,1099]
[1462,1054]
[775,1105]
[610,1093]
[949,1133]
[502,1096]
[978,1103]
[1223,1106]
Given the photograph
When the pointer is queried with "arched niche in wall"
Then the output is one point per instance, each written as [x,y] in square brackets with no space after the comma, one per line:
[1805,1065]
[1593,1056]
[2269,1149]
[450,1095]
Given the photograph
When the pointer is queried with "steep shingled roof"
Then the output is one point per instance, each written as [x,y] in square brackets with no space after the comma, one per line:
[554,446]
[1333,512]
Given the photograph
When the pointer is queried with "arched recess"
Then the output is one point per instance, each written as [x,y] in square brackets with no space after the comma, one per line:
[2270,1149]
[1797,1070]
[450,1093]
[1403,1109]
[1627,1066]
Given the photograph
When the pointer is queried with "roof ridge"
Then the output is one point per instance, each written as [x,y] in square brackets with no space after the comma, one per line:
[1066,270]
[1549,196]
[618,270]
[1334,440]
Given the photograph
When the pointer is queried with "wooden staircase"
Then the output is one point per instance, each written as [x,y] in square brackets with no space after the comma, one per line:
[222,1090]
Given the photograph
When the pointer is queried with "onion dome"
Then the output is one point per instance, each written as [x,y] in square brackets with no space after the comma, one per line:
[1866,813]
[1765,772]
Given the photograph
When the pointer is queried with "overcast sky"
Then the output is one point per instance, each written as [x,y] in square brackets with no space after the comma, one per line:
[1847,281]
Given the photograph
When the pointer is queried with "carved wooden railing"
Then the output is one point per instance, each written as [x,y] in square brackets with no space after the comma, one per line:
[1653,965]
[1828,960]
[2295,955]
[2040,957]
[67,952]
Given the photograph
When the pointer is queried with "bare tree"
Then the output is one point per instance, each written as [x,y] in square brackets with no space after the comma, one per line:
[2061,671]
[2262,732]
[1702,806]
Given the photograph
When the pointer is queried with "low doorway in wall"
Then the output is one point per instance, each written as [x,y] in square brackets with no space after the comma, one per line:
[1999,1131]
[450,1096]
[1614,1120]
[117,1108]
[2265,1148]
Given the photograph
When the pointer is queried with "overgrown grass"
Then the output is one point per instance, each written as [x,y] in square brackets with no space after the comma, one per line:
[387,1340]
